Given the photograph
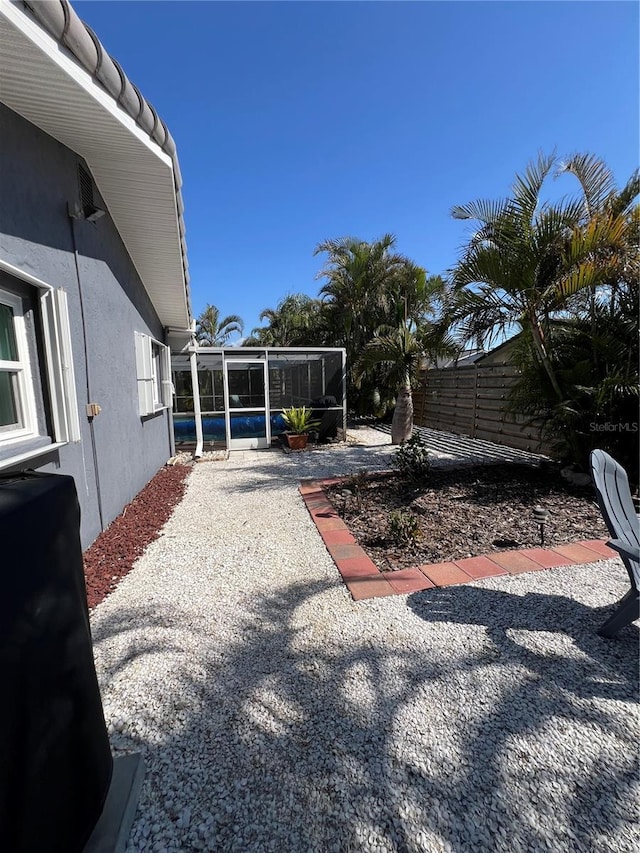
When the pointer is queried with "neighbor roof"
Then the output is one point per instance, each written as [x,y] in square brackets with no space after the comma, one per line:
[56,74]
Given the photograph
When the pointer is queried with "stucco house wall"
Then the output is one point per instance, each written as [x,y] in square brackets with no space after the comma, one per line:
[119,451]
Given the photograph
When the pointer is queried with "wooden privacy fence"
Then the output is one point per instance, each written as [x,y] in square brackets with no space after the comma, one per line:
[473,400]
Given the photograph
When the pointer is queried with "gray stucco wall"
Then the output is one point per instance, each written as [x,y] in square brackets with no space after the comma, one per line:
[107,304]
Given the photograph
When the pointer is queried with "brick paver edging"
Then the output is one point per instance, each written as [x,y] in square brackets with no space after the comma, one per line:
[365,580]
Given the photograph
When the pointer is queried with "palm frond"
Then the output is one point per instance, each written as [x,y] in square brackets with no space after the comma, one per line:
[595,177]
[526,188]
[483,210]
[622,201]
[213,331]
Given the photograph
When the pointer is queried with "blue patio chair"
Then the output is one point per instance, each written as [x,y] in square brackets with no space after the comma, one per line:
[614,499]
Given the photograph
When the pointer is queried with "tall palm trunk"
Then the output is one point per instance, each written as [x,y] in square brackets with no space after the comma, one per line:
[402,423]
[541,349]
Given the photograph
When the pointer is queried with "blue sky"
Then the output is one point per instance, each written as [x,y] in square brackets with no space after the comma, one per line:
[297,122]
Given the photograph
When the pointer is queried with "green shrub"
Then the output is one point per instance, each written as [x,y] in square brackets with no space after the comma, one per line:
[404,526]
[299,420]
[412,459]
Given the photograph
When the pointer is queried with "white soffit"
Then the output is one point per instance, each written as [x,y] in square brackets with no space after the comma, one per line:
[42,83]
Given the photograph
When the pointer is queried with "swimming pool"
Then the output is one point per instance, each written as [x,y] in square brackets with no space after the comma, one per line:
[214,427]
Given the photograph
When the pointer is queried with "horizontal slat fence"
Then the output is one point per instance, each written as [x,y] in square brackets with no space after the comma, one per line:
[473,401]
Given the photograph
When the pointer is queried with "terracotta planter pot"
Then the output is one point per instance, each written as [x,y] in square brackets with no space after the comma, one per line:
[297,442]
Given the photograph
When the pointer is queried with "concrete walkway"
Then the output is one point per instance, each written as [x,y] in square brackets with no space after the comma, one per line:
[276,714]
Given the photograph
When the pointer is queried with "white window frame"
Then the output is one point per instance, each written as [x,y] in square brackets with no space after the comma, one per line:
[22,368]
[153,372]
[58,367]
[59,363]
[156,373]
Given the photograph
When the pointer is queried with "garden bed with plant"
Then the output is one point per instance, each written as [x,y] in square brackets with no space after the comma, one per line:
[421,514]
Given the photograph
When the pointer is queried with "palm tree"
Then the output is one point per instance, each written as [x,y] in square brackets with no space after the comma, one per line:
[296,321]
[402,351]
[373,294]
[212,331]
[526,260]
[604,202]
[358,276]
[361,294]
[595,339]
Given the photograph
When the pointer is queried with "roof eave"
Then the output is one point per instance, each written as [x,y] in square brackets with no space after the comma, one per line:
[136,172]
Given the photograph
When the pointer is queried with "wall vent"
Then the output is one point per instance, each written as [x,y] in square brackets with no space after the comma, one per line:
[86,189]
[86,209]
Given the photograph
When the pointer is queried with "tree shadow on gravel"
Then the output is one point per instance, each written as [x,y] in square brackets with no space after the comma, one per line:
[290,735]
[499,611]
[555,686]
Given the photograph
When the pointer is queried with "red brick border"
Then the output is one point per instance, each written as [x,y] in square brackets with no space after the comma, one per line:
[365,580]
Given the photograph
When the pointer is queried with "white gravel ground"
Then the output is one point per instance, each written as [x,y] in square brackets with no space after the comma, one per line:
[275,714]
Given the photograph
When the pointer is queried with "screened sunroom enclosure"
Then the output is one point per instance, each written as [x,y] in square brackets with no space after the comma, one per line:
[233,398]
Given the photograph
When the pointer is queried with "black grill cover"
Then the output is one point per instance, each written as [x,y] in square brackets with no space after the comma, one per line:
[55,761]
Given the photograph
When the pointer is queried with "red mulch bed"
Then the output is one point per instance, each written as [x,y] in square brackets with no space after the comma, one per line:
[117,548]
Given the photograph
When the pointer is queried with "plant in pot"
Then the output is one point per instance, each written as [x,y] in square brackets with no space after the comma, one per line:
[300,423]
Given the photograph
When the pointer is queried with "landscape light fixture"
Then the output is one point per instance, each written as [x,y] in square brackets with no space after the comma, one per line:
[541,517]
